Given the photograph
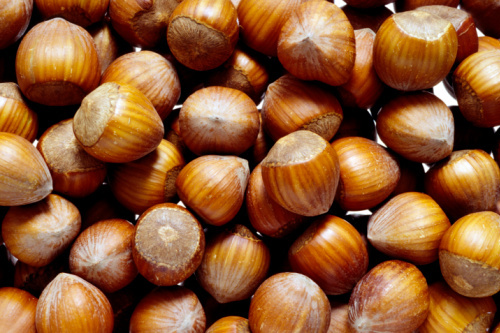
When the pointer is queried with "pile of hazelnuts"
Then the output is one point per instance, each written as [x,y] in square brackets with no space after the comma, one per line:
[249,166]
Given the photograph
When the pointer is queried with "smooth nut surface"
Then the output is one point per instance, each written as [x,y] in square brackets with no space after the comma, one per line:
[66,74]
[117,123]
[287,300]
[410,227]
[409,58]
[24,175]
[469,255]
[222,179]
[368,173]
[393,297]
[301,173]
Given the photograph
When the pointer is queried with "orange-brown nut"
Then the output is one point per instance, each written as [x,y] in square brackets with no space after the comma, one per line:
[202,34]
[66,74]
[392,297]
[117,123]
[223,179]
[407,57]
[301,173]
